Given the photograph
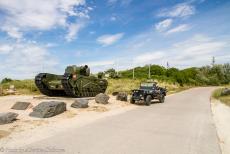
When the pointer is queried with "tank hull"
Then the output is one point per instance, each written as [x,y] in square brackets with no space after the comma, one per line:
[42,81]
[66,85]
[83,86]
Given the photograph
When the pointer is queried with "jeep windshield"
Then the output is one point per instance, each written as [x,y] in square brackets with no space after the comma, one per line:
[147,85]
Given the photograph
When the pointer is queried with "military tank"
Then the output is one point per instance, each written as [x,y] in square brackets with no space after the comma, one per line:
[76,82]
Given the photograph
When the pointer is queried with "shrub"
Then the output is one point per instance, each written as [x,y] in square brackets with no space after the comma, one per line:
[6,80]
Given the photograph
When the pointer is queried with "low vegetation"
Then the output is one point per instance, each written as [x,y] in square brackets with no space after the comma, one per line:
[126,85]
[204,76]
[21,86]
[174,79]
[217,94]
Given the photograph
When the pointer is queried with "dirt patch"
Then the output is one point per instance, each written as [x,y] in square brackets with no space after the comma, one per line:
[4,133]
[98,109]
[35,122]
[14,127]
[70,114]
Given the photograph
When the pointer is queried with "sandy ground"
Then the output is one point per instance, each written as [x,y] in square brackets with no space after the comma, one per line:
[28,129]
[182,125]
[221,114]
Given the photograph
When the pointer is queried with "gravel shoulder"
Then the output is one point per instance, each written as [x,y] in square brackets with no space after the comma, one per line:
[221,115]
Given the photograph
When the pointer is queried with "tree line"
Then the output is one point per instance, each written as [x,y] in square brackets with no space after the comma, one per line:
[217,74]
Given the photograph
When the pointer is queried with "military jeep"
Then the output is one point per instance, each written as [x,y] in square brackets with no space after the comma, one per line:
[147,92]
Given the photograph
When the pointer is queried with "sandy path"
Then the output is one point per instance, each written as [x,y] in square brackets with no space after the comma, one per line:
[29,129]
[221,114]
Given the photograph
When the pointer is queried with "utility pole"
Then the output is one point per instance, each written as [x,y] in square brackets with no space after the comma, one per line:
[167,65]
[213,61]
[149,71]
[117,67]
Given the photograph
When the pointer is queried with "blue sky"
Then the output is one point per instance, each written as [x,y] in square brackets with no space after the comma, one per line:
[46,36]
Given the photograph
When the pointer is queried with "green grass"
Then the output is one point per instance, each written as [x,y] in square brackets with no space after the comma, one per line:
[26,87]
[126,85]
[224,99]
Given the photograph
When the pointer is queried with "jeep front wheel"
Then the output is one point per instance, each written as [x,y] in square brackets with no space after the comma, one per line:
[132,101]
[162,99]
[148,100]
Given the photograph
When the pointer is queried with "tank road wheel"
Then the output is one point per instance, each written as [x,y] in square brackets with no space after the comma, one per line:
[162,99]
[148,100]
[132,101]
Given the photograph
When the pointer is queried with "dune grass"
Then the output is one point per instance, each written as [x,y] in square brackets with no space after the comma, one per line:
[27,87]
[224,99]
[126,85]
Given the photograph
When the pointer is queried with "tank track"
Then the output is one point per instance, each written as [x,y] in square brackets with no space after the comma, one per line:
[67,87]
[72,93]
[44,89]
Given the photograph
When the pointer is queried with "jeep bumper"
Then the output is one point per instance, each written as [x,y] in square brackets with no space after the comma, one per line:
[139,98]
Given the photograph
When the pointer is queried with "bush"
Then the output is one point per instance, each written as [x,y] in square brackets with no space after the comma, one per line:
[6,80]
[112,73]
[218,94]
[206,75]
[22,86]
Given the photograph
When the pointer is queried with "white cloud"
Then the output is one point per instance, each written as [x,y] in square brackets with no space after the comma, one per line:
[149,57]
[113,18]
[73,30]
[12,32]
[50,45]
[180,28]
[108,39]
[5,48]
[92,32]
[68,6]
[121,2]
[99,63]
[24,15]
[198,46]
[195,51]
[179,10]
[25,60]
[163,25]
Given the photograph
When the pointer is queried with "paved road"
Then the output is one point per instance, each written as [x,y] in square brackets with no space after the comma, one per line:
[181,125]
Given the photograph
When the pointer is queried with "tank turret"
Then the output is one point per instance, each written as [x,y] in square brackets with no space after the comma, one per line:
[82,70]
